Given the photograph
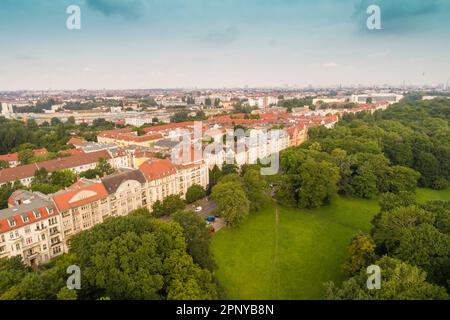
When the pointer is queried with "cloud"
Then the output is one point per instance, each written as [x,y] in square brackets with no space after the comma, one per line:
[125,8]
[89,70]
[222,37]
[330,65]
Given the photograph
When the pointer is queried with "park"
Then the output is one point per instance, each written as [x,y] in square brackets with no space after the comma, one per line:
[288,253]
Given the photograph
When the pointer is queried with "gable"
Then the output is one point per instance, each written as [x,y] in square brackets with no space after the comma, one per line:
[82,195]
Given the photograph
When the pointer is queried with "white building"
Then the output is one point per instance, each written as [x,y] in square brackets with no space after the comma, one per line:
[376,98]
[7,110]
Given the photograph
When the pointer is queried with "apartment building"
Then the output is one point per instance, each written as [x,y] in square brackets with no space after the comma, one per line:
[30,228]
[297,135]
[126,192]
[162,180]
[77,163]
[192,174]
[81,206]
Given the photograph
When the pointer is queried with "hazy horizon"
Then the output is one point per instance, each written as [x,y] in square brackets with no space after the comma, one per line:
[181,44]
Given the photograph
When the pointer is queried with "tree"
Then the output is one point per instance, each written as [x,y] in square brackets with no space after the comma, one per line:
[4,164]
[90,174]
[5,192]
[229,169]
[427,248]
[402,179]
[198,238]
[390,201]
[12,271]
[139,257]
[104,168]
[67,294]
[318,183]
[214,175]
[26,156]
[71,120]
[168,206]
[255,189]
[55,121]
[364,184]
[231,201]
[41,176]
[195,193]
[285,191]
[392,225]
[441,212]
[361,253]
[400,281]
[63,178]
[428,166]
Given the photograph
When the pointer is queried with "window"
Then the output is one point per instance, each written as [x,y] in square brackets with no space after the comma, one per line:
[37,214]
[12,223]
[17,246]
[53,230]
[56,250]
[25,219]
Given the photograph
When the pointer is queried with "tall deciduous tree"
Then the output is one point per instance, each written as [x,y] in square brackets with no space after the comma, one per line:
[232,202]
[318,183]
[198,238]
[400,281]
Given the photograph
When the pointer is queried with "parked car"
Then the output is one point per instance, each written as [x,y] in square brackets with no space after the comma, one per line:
[211,219]
[198,209]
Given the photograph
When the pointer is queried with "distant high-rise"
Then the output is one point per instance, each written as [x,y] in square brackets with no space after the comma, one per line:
[7,110]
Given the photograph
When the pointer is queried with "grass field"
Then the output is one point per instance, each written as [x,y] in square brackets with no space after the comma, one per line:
[283,253]
[290,254]
[424,195]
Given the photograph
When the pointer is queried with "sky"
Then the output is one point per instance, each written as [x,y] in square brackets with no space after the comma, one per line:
[125,44]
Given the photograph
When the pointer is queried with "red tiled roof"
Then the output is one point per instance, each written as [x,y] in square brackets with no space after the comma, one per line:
[12,157]
[64,200]
[77,184]
[73,151]
[40,151]
[76,141]
[169,126]
[157,169]
[5,226]
[114,133]
[147,137]
[18,173]
[27,171]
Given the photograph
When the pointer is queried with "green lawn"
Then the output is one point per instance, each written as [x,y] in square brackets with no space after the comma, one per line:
[424,195]
[291,259]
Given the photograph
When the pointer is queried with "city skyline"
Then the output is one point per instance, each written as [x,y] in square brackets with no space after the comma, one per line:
[214,44]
